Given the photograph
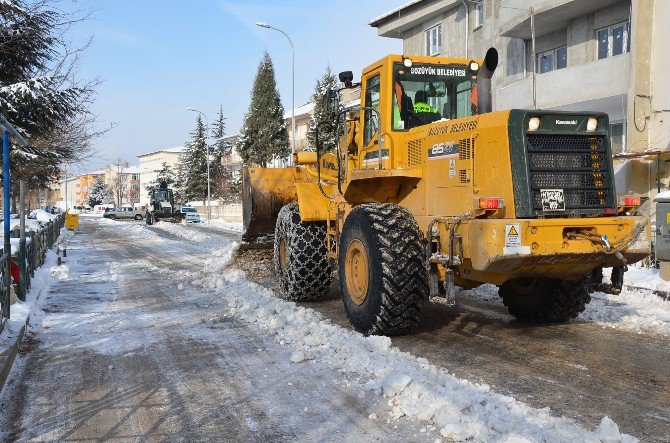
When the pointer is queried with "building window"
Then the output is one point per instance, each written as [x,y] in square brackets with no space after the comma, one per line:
[479,13]
[552,60]
[614,40]
[617,136]
[434,40]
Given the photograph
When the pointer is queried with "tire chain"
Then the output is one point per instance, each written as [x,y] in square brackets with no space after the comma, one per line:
[309,270]
[405,280]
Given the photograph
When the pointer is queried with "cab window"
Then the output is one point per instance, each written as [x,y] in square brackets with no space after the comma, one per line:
[372,101]
[424,94]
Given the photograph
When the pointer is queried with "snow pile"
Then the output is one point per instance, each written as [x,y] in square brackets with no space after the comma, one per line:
[414,388]
[131,229]
[42,216]
[39,284]
[636,310]
[209,241]
[645,278]
[234,226]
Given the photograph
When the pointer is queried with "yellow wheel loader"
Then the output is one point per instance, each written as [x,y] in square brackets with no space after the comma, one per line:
[428,190]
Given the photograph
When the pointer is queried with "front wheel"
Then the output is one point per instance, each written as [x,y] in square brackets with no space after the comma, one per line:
[138,217]
[301,256]
[545,300]
[383,277]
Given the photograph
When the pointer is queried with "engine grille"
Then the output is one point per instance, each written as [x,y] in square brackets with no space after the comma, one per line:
[577,164]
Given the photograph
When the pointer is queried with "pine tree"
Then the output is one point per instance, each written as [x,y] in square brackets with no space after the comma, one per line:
[99,193]
[324,119]
[219,183]
[264,135]
[193,165]
[39,92]
[165,175]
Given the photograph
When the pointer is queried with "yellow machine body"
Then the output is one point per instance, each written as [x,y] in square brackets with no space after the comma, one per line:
[442,171]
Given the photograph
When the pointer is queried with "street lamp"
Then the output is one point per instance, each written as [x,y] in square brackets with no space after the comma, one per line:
[265,25]
[209,204]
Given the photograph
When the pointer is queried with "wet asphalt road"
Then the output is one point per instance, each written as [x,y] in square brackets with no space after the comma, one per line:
[580,370]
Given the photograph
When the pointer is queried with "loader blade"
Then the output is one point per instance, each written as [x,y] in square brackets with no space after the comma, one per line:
[264,192]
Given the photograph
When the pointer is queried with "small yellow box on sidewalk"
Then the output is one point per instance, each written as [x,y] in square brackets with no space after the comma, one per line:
[71,221]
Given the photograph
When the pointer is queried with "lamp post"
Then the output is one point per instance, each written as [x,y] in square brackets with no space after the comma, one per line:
[265,25]
[209,204]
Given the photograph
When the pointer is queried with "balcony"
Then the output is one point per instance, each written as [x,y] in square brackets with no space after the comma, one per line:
[550,16]
[585,83]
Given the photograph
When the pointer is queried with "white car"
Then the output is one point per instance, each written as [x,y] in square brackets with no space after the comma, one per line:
[190,214]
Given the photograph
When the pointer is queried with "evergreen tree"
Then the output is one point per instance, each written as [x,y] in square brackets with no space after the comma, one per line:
[99,193]
[39,92]
[264,135]
[167,176]
[193,165]
[324,119]
[219,183]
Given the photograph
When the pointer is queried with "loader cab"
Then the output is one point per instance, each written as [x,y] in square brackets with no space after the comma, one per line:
[400,93]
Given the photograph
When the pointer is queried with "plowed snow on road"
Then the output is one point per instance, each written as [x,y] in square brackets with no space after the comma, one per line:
[413,387]
[160,313]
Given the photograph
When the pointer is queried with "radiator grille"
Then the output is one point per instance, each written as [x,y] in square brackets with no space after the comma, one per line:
[577,164]
[414,152]
[466,147]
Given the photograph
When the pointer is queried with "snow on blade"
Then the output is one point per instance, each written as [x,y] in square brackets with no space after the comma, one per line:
[415,388]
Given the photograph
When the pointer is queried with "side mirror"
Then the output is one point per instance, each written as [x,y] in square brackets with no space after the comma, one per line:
[333,98]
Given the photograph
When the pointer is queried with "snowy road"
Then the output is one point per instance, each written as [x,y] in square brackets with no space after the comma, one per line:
[150,335]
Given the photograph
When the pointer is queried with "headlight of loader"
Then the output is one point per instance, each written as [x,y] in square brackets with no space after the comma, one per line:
[534,124]
[592,124]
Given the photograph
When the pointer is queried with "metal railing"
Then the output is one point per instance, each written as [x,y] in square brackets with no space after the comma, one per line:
[36,247]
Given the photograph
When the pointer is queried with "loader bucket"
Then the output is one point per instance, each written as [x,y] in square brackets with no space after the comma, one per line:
[264,192]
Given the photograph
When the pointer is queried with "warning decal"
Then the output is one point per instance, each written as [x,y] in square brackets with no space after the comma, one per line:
[512,237]
[513,241]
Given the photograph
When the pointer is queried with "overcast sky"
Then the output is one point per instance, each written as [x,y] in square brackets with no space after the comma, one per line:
[156,57]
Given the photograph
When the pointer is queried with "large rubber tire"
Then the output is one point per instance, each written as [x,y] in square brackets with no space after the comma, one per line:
[301,256]
[545,300]
[387,240]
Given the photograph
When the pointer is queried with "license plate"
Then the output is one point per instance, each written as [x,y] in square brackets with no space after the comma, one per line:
[552,199]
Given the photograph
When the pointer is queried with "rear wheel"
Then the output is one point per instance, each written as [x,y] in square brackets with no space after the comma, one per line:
[138,217]
[545,300]
[301,256]
[383,278]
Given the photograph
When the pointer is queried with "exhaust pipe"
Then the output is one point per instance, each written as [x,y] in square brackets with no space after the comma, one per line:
[484,94]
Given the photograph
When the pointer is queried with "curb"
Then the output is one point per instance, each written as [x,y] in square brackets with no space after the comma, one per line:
[7,359]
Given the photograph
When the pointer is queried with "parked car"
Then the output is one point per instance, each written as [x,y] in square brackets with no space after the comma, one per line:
[190,214]
[125,212]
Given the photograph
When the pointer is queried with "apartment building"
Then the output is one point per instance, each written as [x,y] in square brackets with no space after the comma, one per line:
[596,55]
[84,184]
[124,183]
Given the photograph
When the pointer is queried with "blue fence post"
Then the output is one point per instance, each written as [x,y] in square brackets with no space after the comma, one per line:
[7,249]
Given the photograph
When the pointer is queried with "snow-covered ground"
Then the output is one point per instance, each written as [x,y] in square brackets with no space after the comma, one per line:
[411,386]
[44,277]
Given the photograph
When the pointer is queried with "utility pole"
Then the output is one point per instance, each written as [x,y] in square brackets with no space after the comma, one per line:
[532,38]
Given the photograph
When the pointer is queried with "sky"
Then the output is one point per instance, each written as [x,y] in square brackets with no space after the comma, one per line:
[157,57]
